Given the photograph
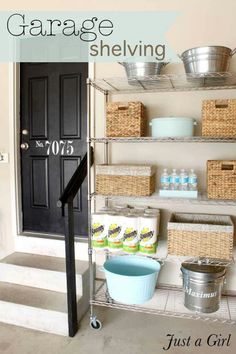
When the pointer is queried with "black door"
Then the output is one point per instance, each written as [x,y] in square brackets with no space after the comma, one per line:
[53,141]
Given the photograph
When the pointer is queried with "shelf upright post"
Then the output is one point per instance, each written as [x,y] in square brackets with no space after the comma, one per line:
[106,162]
[106,146]
[90,253]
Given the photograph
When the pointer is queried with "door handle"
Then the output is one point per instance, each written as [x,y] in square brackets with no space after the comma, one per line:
[24,146]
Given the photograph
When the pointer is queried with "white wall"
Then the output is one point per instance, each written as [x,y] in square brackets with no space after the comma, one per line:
[6,237]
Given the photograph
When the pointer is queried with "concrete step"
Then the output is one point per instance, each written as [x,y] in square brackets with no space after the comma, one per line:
[38,309]
[42,272]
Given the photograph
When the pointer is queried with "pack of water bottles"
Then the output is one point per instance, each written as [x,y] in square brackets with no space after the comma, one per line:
[180,183]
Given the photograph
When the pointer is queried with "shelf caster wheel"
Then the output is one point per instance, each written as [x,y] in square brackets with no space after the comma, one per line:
[96,325]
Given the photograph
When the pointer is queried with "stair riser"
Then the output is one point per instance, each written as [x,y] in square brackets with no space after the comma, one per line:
[39,278]
[34,318]
[33,292]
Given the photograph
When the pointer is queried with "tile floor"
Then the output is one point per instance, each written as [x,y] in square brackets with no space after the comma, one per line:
[123,332]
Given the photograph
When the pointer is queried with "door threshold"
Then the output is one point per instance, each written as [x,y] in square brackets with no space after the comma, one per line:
[46,246]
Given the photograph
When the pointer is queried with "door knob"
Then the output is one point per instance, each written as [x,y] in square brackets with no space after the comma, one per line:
[24,146]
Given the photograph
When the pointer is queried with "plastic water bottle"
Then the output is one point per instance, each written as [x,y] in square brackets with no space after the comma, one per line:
[165,180]
[183,180]
[174,180]
[192,182]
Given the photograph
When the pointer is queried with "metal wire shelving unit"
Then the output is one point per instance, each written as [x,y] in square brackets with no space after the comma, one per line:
[165,83]
[169,303]
[200,200]
[162,256]
[148,139]
[171,299]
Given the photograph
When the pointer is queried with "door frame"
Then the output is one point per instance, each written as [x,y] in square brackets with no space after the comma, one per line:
[15,166]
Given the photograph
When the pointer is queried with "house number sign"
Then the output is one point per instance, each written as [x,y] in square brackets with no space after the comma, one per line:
[56,147]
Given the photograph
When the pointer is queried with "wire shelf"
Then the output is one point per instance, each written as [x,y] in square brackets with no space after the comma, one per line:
[195,139]
[200,200]
[200,260]
[170,303]
[169,82]
[162,256]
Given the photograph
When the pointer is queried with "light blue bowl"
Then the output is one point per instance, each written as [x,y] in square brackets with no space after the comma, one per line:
[131,279]
[172,127]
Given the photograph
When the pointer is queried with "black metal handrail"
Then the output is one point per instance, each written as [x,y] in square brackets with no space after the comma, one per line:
[76,181]
[66,203]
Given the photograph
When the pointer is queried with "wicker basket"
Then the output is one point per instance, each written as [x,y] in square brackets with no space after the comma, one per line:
[125,119]
[221,179]
[219,118]
[127,180]
[201,235]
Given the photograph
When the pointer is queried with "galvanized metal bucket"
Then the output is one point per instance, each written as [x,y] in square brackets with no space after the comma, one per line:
[143,69]
[209,59]
[202,285]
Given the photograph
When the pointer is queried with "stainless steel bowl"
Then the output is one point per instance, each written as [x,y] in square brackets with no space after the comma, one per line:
[208,59]
[143,69]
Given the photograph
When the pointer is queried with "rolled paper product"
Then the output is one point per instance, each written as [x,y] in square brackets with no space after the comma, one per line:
[99,230]
[148,234]
[140,208]
[123,211]
[130,235]
[154,212]
[106,209]
[115,231]
[120,206]
[136,212]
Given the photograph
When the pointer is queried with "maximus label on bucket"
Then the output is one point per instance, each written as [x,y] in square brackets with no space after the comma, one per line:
[99,230]
[148,234]
[201,295]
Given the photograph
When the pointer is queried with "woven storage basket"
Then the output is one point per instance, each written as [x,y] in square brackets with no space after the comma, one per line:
[129,180]
[125,119]
[201,235]
[221,179]
[219,118]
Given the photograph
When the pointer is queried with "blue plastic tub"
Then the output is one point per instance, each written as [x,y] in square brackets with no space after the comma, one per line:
[131,279]
[172,127]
